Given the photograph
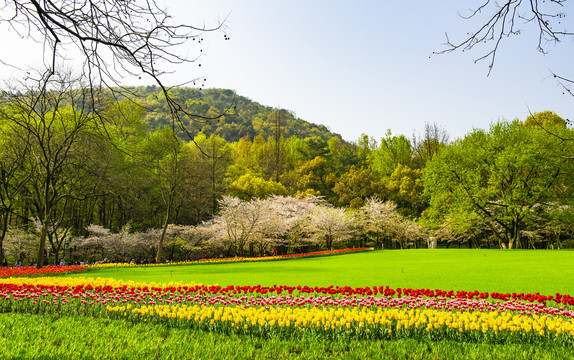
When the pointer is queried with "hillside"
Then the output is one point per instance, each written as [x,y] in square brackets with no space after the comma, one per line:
[242,116]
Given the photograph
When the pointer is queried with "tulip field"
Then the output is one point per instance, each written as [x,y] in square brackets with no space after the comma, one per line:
[139,319]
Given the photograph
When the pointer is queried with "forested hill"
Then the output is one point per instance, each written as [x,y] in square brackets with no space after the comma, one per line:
[242,116]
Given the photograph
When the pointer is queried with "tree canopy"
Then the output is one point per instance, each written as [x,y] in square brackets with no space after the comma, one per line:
[510,177]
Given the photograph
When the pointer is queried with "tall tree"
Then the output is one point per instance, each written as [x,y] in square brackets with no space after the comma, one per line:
[54,116]
[356,186]
[14,152]
[429,144]
[171,165]
[545,119]
[405,188]
[278,157]
[211,158]
[249,186]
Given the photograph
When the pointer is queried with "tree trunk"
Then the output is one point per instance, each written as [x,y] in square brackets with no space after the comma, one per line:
[56,256]
[40,259]
[3,235]
[163,232]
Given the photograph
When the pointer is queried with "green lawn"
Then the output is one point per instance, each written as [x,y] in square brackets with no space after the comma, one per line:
[542,271]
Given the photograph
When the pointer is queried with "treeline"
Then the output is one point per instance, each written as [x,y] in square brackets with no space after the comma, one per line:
[70,165]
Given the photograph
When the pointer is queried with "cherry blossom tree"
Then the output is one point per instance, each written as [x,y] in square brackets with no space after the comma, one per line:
[237,224]
[379,220]
[329,225]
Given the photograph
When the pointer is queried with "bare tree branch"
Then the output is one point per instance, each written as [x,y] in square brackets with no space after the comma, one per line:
[502,20]
[115,39]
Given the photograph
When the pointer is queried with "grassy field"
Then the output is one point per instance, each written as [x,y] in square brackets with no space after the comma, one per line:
[545,272]
[75,337]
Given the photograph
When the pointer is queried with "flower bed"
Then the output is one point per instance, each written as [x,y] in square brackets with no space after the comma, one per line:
[239,259]
[46,270]
[369,312]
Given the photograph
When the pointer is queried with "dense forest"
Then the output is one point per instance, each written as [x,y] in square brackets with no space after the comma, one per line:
[226,114]
[124,180]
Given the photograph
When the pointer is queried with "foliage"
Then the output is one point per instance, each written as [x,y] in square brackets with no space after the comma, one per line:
[404,186]
[545,119]
[249,186]
[246,118]
[508,177]
[392,152]
[130,173]
[355,186]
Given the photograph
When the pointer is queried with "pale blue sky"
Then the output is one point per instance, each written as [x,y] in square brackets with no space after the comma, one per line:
[364,67]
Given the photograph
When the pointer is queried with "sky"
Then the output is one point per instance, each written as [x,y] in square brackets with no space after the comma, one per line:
[365,67]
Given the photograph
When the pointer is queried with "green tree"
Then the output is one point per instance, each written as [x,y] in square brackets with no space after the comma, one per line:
[365,147]
[211,158]
[356,186]
[13,175]
[313,177]
[171,165]
[393,150]
[545,119]
[249,186]
[54,119]
[404,186]
[504,176]
[342,155]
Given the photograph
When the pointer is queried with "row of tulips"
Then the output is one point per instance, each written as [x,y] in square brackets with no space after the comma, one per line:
[239,258]
[363,322]
[216,308]
[33,271]
[106,295]
[97,285]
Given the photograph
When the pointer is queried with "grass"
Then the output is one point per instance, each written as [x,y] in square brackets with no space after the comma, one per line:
[546,272]
[49,337]
[529,271]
